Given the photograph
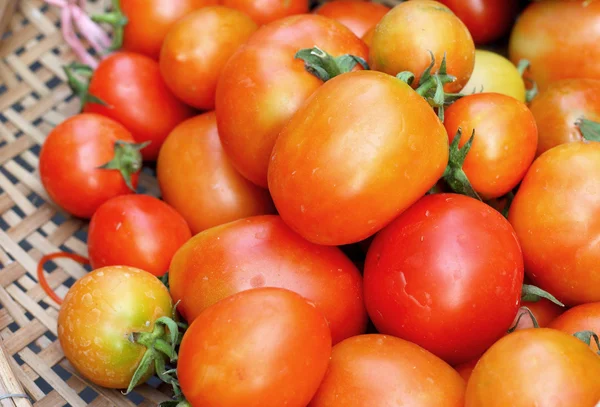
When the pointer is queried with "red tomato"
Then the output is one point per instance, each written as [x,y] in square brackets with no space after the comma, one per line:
[70,159]
[138,231]
[197,179]
[406,35]
[359,16]
[266,11]
[379,370]
[554,214]
[197,48]
[446,275]
[262,85]
[584,317]
[265,347]
[560,40]
[263,252]
[347,150]
[137,97]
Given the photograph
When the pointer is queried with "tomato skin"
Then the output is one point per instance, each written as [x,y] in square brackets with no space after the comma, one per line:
[359,16]
[196,49]
[380,370]
[262,85]
[267,11]
[585,317]
[137,97]
[504,144]
[265,347]
[560,106]
[350,147]
[554,214]
[536,366]
[138,231]
[262,251]
[99,314]
[69,162]
[197,179]
[446,275]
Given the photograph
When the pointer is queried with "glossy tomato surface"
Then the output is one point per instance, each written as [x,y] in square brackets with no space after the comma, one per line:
[267,11]
[585,317]
[359,16]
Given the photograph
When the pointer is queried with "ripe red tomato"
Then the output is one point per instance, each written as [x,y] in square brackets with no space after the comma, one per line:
[263,252]
[138,231]
[70,159]
[265,347]
[554,214]
[585,317]
[137,97]
[446,275]
[380,370]
[406,35]
[197,179]
[266,11]
[262,85]
[196,49]
[351,146]
[359,16]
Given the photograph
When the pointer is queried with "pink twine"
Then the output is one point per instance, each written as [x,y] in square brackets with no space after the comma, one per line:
[72,12]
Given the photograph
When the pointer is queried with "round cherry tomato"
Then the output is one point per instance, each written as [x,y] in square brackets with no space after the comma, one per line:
[138,231]
[359,16]
[585,317]
[406,35]
[351,148]
[446,275]
[197,48]
[265,347]
[380,370]
[197,179]
[70,159]
[136,96]
[554,214]
[536,366]
[504,143]
[263,252]
[266,11]
[262,85]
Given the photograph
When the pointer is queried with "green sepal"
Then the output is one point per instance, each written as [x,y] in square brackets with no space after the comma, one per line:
[117,20]
[521,315]
[586,337]
[589,130]
[454,175]
[531,293]
[523,66]
[80,87]
[325,66]
[127,160]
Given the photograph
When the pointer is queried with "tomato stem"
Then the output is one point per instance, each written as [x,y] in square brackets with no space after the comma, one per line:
[127,160]
[521,315]
[586,337]
[42,277]
[325,66]
[589,130]
[531,293]
[80,87]
[117,20]
[454,175]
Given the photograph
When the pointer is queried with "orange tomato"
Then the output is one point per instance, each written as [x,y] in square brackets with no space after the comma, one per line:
[266,11]
[585,317]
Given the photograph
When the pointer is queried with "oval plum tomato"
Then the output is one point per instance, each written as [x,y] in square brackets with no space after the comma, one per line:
[446,275]
[560,40]
[100,316]
[71,158]
[197,179]
[138,231]
[265,347]
[380,370]
[558,109]
[262,85]
[267,11]
[406,35]
[263,251]
[197,48]
[359,16]
[352,146]
[554,214]
[585,317]
[136,96]
[536,366]
[504,142]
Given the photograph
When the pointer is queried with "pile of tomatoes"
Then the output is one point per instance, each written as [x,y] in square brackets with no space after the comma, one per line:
[359,207]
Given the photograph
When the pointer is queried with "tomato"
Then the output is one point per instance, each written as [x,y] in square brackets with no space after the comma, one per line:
[560,106]
[100,316]
[265,347]
[544,311]
[262,85]
[137,97]
[531,367]
[138,231]
[406,35]
[352,146]
[504,143]
[554,214]
[559,38]
[266,11]
[197,48]
[359,16]
[263,252]
[197,179]
[495,74]
[585,317]
[70,159]
[380,370]
[446,275]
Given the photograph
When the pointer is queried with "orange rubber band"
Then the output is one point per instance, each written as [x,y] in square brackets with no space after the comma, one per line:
[42,277]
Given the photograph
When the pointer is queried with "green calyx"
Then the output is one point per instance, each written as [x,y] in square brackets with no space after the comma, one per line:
[589,130]
[78,78]
[127,160]
[117,20]
[586,337]
[531,293]
[527,313]
[523,66]
[325,66]
[454,175]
